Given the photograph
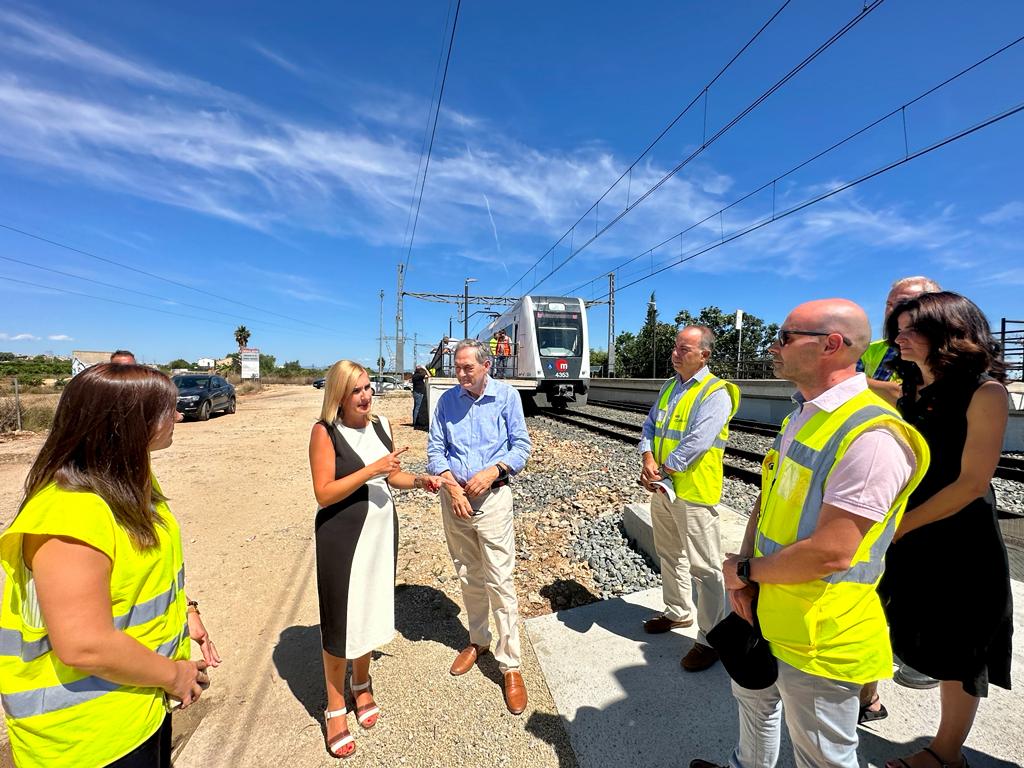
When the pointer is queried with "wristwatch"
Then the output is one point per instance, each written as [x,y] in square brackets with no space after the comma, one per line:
[743,571]
[502,472]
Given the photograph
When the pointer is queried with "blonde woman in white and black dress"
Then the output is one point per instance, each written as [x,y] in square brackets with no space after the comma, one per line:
[354,466]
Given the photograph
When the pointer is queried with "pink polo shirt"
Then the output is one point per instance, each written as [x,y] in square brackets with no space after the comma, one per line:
[874,468]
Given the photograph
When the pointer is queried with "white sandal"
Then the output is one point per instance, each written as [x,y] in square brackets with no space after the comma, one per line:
[334,747]
[372,711]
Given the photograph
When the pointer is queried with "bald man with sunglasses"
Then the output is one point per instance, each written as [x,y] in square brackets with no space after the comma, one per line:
[836,483]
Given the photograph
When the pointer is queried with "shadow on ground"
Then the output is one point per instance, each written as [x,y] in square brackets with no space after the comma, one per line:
[425,613]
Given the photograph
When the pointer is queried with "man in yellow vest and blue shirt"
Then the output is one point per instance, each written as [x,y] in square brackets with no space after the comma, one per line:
[876,362]
[834,487]
[683,442]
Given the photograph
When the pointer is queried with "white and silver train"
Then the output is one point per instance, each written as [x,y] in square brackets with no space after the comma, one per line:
[550,345]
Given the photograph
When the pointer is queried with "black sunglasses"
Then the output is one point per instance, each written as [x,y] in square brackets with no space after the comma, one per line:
[784,335]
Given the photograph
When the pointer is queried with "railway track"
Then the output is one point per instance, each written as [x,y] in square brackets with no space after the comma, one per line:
[1010,467]
[630,433]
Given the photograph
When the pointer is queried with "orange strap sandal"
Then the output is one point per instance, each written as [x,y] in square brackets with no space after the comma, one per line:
[343,746]
[367,716]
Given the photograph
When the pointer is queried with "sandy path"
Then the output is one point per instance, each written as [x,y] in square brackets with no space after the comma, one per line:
[240,487]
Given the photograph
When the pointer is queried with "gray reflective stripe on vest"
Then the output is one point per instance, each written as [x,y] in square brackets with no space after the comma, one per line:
[675,434]
[12,643]
[144,612]
[819,462]
[870,570]
[767,546]
[719,443]
[41,701]
[823,461]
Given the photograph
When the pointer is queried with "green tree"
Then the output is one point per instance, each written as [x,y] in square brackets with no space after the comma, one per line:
[648,353]
[179,363]
[268,364]
[242,335]
[598,359]
[757,337]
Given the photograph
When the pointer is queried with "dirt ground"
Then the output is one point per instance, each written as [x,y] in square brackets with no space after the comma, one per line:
[240,488]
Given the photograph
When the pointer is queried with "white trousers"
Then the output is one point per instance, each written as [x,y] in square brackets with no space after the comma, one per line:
[688,542]
[483,549]
[821,715]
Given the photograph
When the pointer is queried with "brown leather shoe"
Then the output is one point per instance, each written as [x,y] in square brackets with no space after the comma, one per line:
[659,624]
[704,764]
[699,658]
[515,692]
[467,658]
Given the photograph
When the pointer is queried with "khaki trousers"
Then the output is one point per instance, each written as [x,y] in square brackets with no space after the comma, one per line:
[688,542]
[483,549]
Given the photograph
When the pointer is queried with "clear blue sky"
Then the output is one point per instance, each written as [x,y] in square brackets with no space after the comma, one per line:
[268,154]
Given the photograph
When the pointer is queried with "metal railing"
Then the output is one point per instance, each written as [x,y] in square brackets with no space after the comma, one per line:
[11,410]
[1011,338]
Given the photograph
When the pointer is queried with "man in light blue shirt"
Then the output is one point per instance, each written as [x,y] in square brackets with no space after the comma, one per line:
[688,422]
[478,441]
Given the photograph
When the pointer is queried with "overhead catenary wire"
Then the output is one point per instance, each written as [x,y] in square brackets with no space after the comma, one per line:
[433,134]
[155,276]
[719,214]
[110,301]
[705,143]
[825,195]
[148,295]
[427,124]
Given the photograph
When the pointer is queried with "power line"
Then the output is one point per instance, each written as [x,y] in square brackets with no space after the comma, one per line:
[108,300]
[433,133]
[776,216]
[705,143]
[155,276]
[147,295]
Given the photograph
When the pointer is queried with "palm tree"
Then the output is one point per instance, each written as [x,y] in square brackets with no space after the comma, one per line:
[242,335]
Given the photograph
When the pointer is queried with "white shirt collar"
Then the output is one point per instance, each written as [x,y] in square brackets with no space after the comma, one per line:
[835,396]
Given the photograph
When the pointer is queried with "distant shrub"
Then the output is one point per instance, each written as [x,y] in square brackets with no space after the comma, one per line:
[37,418]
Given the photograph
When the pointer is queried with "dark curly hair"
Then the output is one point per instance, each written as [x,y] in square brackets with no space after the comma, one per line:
[959,340]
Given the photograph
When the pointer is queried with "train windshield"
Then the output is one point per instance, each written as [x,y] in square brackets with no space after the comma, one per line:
[559,334]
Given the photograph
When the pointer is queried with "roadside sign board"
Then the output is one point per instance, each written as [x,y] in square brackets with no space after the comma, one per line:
[250,359]
[82,359]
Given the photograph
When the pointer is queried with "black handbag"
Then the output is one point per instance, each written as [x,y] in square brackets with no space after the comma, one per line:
[744,652]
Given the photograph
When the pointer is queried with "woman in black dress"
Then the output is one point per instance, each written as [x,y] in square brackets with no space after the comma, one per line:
[946,586]
[354,467]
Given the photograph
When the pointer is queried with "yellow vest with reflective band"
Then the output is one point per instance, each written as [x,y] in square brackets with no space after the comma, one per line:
[61,716]
[701,483]
[873,357]
[832,627]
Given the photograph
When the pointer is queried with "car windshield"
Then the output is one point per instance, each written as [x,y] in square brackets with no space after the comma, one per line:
[558,335]
[192,382]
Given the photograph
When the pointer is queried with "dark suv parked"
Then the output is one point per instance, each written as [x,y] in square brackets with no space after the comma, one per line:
[201,395]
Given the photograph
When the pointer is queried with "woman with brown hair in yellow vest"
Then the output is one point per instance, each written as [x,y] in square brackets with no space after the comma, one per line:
[95,624]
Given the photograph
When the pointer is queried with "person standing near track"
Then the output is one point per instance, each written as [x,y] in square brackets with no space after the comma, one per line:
[478,441]
[683,443]
[877,362]
[833,490]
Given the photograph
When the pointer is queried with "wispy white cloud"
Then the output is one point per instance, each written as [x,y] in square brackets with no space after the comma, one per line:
[1004,213]
[18,337]
[59,337]
[276,58]
[177,140]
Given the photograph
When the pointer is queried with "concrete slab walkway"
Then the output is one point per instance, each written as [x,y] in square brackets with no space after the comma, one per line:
[625,701]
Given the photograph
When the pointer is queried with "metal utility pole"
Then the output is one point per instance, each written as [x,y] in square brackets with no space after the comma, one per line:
[399,325]
[654,338]
[415,338]
[739,343]
[380,341]
[465,306]
[611,325]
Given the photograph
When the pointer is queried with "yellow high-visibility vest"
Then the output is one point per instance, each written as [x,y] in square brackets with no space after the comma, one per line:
[832,627]
[701,483]
[61,716]
[873,357]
